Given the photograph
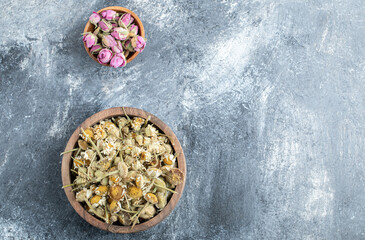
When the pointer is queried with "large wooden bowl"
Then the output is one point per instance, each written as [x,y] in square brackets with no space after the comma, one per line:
[67,163]
[90,28]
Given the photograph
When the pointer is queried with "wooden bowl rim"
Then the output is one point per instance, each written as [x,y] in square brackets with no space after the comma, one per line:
[117,9]
[66,162]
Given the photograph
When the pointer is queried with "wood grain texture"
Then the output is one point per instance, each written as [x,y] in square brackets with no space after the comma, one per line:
[67,162]
[90,28]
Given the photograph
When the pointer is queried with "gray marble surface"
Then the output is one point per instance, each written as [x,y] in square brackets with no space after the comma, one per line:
[266,97]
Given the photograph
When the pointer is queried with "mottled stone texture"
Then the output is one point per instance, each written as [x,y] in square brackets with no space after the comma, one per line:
[266,97]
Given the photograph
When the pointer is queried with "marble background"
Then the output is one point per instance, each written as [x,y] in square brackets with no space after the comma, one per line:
[267,98]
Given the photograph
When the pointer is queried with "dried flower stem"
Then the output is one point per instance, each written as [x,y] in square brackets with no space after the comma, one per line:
[88,168]
[72,150]
[69,185]
[139,206]
[129,120]
[106,215]
[139,214]
[128,211]
[168,189]
[78,152]
[146,121]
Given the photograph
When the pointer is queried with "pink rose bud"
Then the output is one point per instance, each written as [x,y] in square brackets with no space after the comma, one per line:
[116,49]
[118,60]
[90,39]
[104,56]
[108,41]
[140,44]
[128,45]
[125,20]
[133,29]
[94,18]
[114,25]
[105,25]
[95,49]
[120,46]
[120,33]
[109,14]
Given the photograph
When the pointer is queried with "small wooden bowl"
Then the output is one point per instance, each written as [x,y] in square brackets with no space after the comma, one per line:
[67,163]
[90,28]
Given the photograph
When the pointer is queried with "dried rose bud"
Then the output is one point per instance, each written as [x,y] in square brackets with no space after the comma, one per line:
[115,49]
[120,46]
[128,45]
[118,60]
[105,25]
[109,14]
[133,29]
[104,56]
[125,20]
[95,49]
[94,18]
[120,33]
[90,39]
[114,25]
[140,44]
[108,41]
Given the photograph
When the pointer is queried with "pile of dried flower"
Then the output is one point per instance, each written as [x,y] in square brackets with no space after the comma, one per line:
[115,36]
[125,170]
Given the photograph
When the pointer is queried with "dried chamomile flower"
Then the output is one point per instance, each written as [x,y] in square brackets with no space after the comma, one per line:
[148,212]
[83,194]
[104,164]
[116,192]
[167,168]
[113,218]
[112,129]
[139,181]
[97,200]
[146,156]
[175,176]
[162,200]
[137,123]
[122,121]
[154,172]
[136,151]
[160,182]
[131,176]
[168,159]
[150,197]
[151,131]
[123,169]
[99,132]
[114,206]
[125,129]
[134,192]
[155,163]
[139,139]
[101,190]
[100,211]
[88,135]
[168,148]
[146,141]
[104,181]
[137,165]
[124,218]
[82,144]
